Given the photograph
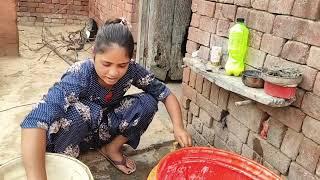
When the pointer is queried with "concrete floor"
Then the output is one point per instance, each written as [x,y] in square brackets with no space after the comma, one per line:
[26,78]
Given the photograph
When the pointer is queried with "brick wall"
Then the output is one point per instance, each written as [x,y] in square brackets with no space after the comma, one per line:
[8,30]
[52,11]
[101,10]
[282,33]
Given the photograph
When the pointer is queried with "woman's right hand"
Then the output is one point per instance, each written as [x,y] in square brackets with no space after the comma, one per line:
[33,147]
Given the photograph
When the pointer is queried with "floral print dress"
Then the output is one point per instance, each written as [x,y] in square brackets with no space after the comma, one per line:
[78,113]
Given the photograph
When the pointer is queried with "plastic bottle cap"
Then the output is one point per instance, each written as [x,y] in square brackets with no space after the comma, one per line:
[240,20]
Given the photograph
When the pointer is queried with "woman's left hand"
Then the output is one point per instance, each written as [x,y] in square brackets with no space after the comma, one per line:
[183,137]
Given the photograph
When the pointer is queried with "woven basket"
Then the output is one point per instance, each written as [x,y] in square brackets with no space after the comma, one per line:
[58,166]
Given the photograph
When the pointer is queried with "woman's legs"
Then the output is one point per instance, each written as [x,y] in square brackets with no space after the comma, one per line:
[66,135]
[129,120]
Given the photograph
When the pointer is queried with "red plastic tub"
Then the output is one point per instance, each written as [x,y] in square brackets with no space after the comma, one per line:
[210,164]
[279,91]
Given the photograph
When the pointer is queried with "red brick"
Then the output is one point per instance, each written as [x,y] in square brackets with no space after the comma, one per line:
[185,102]
[45,10]
[189,92]
[297,172]
[311,105]
[85,3]
[255,39]
[316,88]
[270,167]
[223,98]
[78,3]
[199,36]
[261,21]
[32,4]
[276,132]
[184,114]
[313,59]
[212,109]
[248,115]
[208,24]
[197,124]
[307,9]
[243,13]
[272,44]
[301,30]
[299,96]
[224,1]
[220,131]
[192,46]
[260,4]
[270,153]
[195,5]
[206,88]
[208,134]
[63,1]
[194,109]
[295,51]
[199,139]
[186,75]
[206,8]
[280,6]
[23,9]
[281,24]
[289,116]
[223,28]
[204,53]
[311,128]
[291,143]
[219,41]
[246,3]
[255,57]
[309,154]
[195,20]
[309,74]
[199,83]
[225,12]
[237,128]
[220,144]
[214,93]
[234,143]
[192,80]
[32,10]
[205,118]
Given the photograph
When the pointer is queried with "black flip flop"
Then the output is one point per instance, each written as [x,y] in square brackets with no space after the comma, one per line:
[123,162]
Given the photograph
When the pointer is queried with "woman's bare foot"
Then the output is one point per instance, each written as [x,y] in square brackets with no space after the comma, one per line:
[120,161]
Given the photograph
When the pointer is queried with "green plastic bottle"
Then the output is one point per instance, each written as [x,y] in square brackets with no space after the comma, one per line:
[237,48]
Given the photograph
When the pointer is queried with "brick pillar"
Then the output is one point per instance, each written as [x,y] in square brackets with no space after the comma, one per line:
[8,30]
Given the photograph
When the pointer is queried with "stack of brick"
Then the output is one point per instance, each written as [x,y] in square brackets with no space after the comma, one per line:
[284,33]
[101,10]
[8,31]
[52,11]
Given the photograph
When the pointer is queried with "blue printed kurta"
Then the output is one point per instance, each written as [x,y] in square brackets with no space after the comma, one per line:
[78,113]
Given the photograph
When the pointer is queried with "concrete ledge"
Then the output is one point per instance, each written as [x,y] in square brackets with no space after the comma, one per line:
[234,84]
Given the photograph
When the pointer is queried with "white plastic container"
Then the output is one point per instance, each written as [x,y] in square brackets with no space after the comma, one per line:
[215,55]
[58,166]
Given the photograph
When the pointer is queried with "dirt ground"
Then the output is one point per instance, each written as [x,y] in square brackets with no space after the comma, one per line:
[25,79]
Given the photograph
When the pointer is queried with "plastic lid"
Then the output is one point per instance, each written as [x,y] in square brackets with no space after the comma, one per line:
[240,20]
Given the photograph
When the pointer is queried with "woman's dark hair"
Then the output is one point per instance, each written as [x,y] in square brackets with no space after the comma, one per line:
[114,31]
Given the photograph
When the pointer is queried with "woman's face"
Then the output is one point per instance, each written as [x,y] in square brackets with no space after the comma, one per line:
[111,65]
